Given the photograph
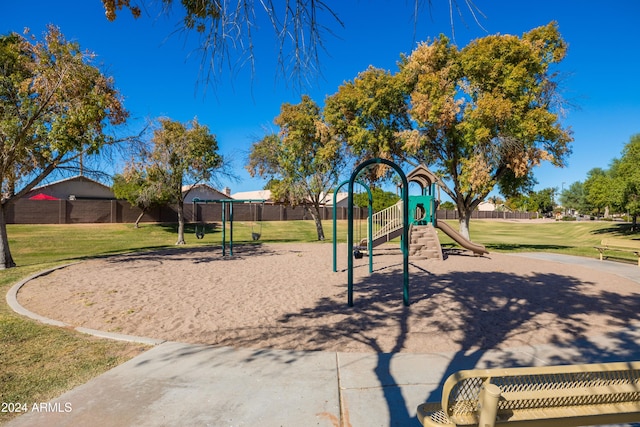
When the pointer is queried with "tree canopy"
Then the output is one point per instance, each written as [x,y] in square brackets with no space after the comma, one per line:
[368,113]
[574,198]
[303,161]
[480,116]
[137,186]
[178,154]
[381,199]
[54,107]
[598,190]
[626,179]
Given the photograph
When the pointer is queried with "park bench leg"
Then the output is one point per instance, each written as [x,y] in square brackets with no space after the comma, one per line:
[489,397]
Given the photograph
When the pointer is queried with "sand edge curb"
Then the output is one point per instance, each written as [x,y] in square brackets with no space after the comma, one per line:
[12,302]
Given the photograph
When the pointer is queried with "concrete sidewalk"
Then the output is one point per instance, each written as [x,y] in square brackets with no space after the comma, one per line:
[176,384]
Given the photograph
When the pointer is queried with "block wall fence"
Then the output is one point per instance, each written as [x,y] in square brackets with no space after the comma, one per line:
[119,211]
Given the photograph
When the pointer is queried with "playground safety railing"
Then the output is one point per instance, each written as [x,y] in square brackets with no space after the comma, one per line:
[387,220]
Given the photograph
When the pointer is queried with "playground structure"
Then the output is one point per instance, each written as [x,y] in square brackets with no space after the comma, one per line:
[423,233]
[227,213]
[413,219]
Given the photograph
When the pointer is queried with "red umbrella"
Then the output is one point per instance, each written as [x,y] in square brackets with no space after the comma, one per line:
[42,196]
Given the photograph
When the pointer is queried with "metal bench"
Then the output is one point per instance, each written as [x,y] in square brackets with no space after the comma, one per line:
[569,395]
[619,245]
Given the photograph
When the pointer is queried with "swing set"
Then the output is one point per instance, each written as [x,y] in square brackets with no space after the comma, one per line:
[227,214]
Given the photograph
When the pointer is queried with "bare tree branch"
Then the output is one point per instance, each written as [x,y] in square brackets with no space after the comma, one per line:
[227,31]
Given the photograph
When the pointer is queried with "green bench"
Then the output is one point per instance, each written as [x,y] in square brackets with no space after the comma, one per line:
[619,245]
[568,395]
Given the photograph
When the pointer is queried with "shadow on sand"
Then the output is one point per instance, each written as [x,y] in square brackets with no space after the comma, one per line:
[491,308]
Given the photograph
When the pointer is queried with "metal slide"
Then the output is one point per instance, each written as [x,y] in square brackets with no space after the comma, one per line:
[459,239]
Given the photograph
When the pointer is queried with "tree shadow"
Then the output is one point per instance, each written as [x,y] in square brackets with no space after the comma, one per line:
[482,311]
[195,255]
[623,229]
[514,247]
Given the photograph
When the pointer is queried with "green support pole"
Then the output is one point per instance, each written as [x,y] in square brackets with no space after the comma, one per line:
[405,226]
[224,229]
[335,231]
[231,229]
[370,225]
[434,207]
[229,203]
[350,243]
[370,232]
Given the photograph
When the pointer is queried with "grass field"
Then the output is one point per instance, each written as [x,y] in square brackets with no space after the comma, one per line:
[39,362]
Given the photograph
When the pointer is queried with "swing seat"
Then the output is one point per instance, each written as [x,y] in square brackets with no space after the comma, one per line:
[255,236]
[199,234]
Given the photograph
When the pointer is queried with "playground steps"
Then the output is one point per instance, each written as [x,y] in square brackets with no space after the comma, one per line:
[424,243]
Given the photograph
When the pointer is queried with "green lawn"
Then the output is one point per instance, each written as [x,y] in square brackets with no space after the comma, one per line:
[39,362]
[571,238]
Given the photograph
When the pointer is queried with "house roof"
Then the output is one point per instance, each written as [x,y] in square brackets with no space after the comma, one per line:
[327,199]
[190,187]
[252,195]
[70,179]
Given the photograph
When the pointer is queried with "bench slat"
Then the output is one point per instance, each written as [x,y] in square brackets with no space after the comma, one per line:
[573,392]
[620,244]
[574,415]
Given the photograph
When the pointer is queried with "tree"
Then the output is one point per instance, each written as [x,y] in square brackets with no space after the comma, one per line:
[54,106]
[381,199]
[519,203]
[368,113]
[542,201]
[228,29]
[486,114]
[598,191]
[447,205]
[302,162]
[481,116]
[626,178]
[574,198]
[136,186]
[179,154]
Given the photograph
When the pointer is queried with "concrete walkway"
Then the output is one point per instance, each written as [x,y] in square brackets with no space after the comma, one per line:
[176,384]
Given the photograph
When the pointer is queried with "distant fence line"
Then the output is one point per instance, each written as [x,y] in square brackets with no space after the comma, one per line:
[120,211]
[445,214]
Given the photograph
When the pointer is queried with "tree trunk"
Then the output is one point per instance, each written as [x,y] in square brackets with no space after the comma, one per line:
[463,221]
[6,260]
[315,214]
[180,224]
[139,218]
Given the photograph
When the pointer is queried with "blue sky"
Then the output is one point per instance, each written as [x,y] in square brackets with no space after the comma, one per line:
[157,70]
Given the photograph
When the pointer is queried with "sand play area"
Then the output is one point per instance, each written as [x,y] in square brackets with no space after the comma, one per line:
[286,296]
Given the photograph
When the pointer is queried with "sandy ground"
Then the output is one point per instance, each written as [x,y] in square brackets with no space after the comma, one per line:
[286,296]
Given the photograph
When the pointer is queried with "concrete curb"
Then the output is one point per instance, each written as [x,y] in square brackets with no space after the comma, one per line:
[12,301]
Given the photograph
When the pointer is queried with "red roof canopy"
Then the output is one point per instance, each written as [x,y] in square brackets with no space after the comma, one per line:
[42,196]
